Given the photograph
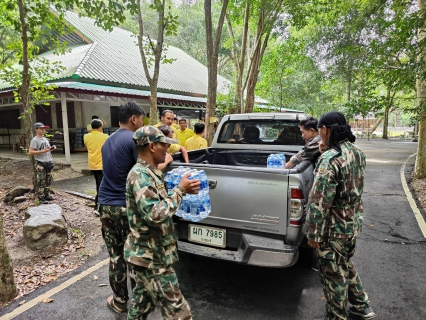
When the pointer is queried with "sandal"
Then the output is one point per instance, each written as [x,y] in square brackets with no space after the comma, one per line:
[114,305]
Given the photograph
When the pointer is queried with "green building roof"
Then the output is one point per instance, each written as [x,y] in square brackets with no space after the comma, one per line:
[113,59]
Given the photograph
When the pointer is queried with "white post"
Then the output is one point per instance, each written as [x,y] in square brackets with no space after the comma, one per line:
[65,127]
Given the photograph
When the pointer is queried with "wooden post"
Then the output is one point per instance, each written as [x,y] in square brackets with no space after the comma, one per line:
[65,128]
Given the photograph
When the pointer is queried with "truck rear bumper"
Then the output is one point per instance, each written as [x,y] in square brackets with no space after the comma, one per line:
[254,250]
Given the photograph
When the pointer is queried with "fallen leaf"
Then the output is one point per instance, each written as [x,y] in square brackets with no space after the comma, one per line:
[48,300]
[323,298]
[372,225]
[95,278]
[102,285]
[21,303]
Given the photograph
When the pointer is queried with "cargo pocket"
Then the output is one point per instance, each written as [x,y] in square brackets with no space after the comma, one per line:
[168,239]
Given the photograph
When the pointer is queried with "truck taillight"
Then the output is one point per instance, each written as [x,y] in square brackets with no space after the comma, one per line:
[296,207]
[297,194]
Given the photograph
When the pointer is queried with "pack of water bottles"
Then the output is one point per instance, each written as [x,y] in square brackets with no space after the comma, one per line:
[194,207]
[276,161]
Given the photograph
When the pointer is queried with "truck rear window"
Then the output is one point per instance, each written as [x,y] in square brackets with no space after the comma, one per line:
[272,132]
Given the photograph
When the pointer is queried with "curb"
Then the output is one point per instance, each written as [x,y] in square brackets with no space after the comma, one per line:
[417,209]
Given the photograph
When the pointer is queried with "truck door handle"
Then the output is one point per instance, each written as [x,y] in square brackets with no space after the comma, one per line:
[212,184]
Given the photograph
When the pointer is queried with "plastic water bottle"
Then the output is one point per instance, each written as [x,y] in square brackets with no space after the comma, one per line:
[169,183]
[207,205]
[283,162]
[183,210]
[175,180]
[204,188]
[194,204]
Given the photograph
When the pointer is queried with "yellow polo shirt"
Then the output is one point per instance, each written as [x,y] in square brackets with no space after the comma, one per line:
[94,142]
[195,142]
[146,121]
[175,126]
[184,135]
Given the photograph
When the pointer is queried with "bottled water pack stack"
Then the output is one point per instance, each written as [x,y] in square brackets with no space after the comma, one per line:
[276,161]
[194,207]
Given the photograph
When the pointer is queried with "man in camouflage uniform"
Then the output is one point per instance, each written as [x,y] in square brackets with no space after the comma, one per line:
[151,247]
[41,150]
[336,216]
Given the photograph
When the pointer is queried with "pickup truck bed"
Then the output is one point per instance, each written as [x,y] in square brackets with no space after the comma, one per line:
[253,207]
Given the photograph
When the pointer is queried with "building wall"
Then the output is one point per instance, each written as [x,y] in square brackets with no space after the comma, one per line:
[15,133]
[100,109]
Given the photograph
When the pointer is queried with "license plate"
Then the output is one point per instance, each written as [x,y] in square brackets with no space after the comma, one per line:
[206,235]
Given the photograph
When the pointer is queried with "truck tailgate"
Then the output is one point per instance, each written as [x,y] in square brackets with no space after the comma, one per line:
[248,198]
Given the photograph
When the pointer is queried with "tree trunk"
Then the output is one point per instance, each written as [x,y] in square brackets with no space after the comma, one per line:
[386,115]
[24,89]
[157,50]
[385,123]
[7,283]
[420,166]
[378,122]
[212,59]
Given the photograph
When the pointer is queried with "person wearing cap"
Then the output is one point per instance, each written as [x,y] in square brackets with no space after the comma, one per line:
[151,247]
[94,142]
[336,215]
[118,157]
[183,133]
[174,147]
[41,150]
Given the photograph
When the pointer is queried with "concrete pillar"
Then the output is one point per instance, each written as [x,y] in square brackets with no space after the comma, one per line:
[65,128]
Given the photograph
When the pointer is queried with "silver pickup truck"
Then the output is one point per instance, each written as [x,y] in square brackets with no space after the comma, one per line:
[258,213]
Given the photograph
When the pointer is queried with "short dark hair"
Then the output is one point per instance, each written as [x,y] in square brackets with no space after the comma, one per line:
[129,109]
[166,130]
[167,111]
[182,120]
[95,117]
[199,127]
[309,123]
[96,123]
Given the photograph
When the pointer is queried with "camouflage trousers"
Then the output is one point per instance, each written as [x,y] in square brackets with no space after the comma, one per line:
[44,181]
[339,278]
[115,228]
[157,287]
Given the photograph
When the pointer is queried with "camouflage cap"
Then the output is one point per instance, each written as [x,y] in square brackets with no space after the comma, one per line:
[148,134]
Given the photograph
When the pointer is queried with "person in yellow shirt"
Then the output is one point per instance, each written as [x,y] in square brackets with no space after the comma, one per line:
[175,125]
[146,120]
[168,132]
[94,142]
[183,133]
[197,141]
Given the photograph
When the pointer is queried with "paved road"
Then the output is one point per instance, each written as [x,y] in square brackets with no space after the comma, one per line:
[390,259]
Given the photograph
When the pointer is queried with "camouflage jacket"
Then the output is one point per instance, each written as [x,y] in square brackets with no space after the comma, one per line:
[310,151]
[152,241]
[335,205]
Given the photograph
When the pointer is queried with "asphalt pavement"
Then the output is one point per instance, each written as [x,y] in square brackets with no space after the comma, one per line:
[390,258]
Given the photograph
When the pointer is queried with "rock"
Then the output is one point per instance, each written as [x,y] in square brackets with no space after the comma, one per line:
[16,192]
[20,199]
[45,227]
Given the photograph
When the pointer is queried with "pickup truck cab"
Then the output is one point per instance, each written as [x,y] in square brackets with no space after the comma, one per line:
[258,213]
